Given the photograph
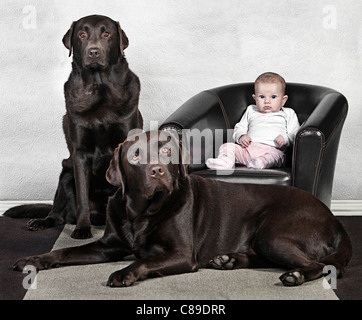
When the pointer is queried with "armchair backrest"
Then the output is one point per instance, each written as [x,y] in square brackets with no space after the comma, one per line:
[223,107]
[303,98]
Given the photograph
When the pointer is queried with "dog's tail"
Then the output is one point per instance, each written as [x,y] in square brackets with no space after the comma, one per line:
[342,254]
[29,211]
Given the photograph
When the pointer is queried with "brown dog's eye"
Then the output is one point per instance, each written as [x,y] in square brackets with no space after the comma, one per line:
[83,35]
[136,156]
[166,151]
[106,34]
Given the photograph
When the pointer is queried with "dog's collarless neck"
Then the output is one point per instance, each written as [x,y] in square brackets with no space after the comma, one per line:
[97,77]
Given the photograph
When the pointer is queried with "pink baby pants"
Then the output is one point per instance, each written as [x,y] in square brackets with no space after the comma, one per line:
[256,155]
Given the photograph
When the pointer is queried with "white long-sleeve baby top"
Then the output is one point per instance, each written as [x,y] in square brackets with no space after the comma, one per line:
[265,127]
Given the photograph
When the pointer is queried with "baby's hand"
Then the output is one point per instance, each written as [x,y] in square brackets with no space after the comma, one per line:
[244,140]
[279,140]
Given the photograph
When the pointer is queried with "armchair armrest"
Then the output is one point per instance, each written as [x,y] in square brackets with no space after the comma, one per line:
[316,146]
[205,114]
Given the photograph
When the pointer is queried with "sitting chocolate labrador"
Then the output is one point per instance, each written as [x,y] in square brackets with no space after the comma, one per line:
[174,222]
[101,98]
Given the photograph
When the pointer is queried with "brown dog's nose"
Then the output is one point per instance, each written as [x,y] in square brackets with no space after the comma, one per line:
[156,171]
[93,52]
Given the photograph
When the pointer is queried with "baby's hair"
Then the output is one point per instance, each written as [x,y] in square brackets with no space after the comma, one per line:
[270,77]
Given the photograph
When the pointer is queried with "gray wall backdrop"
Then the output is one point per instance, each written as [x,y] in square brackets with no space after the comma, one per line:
[177,48]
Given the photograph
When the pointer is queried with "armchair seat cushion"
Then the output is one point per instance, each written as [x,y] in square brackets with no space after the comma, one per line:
[241,174]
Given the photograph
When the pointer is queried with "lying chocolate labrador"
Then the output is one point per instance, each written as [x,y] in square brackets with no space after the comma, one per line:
[174,222]
[101,97]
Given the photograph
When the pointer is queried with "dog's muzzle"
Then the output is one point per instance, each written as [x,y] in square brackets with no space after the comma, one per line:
[159,180]
[156,171]
[94,58]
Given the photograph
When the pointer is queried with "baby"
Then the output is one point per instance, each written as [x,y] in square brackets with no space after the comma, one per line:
[264,131]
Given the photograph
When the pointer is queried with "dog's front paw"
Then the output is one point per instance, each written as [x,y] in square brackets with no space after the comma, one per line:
[121,278]
[83,233]
[292,278]
[222,262]
[37,262]
[37,224]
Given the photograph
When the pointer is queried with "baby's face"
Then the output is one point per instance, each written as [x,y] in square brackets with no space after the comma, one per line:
[269,97]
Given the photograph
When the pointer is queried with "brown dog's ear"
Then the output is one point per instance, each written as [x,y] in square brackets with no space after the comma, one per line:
[123,40]
[114,174]
[185,160]
[67,39]
[182,157]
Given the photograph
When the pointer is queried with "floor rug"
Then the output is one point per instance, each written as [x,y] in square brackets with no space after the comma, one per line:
[88,282]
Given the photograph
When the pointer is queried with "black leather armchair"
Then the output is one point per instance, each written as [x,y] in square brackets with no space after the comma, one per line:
[310,161]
